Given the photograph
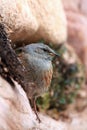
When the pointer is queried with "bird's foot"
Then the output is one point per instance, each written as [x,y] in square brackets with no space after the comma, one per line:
[35,110]
[37,116]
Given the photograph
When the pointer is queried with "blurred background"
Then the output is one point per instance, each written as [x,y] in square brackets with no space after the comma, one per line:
[62,24]
[68,90]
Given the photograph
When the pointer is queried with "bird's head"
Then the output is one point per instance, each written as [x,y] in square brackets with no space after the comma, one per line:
[39,50]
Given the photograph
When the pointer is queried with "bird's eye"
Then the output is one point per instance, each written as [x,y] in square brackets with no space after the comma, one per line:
[45,50]
[40,50]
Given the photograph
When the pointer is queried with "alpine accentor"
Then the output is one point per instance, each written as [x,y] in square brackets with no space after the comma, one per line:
[37,59]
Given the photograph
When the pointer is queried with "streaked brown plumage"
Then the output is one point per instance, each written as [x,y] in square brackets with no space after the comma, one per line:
[37,59]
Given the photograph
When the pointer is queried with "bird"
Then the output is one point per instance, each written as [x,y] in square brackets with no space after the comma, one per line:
[37,60]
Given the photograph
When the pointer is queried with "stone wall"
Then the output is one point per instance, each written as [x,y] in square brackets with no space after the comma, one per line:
[29,21]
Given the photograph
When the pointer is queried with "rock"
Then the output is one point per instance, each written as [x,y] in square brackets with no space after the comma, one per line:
[76,13]
[14,108]
[30,21]
[16,113]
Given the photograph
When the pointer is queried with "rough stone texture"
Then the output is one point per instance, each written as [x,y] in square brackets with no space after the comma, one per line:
[29,21]
[16,113]
[79,121]
[76,12]
[14,108]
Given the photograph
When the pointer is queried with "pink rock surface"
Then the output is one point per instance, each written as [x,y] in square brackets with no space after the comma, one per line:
[16,113]
[76,12]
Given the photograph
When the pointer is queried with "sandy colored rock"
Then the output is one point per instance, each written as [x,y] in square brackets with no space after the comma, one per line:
[30,21]
[16,113]
[14,108]
[76,12]
[18,19]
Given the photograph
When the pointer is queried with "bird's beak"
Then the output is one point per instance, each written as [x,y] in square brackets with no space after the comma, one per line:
[54,54]
[57,55]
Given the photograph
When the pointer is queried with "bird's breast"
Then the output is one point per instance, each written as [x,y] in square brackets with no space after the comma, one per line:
[39,72]
[45,73]
[47,77]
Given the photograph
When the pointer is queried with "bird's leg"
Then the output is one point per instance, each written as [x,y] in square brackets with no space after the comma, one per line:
[35,109]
